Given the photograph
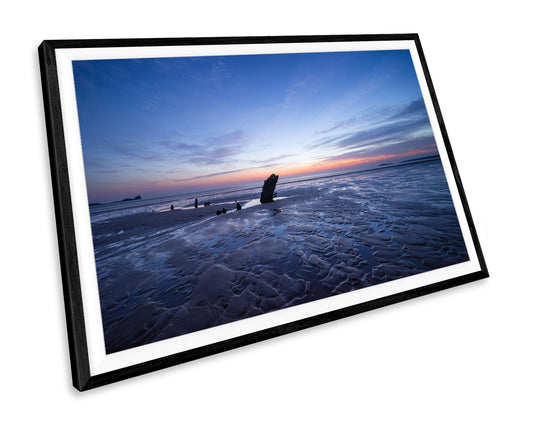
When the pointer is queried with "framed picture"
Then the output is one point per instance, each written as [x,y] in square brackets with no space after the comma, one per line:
[215,192]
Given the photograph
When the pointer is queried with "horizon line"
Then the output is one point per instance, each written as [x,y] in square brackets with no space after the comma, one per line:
[225,190]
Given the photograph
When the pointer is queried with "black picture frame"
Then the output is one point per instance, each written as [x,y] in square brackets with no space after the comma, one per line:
[82,375]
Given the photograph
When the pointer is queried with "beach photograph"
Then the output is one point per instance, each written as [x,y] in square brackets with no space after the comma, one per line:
[221,188]
[167,103]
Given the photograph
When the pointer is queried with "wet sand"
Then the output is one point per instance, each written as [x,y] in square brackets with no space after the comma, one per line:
[165,274]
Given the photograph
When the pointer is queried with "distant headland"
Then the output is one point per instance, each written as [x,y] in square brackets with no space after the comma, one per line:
[137,197]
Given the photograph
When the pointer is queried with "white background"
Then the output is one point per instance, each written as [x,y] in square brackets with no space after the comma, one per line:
[462,356]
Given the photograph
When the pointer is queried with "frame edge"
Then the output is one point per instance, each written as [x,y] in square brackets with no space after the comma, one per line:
[152,42]
[451,157]
[72,298]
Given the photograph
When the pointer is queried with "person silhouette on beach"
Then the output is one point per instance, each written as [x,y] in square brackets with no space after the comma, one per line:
[171,207]
[196,203]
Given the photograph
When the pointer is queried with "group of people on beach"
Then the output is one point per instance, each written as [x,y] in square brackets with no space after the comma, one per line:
[208,203]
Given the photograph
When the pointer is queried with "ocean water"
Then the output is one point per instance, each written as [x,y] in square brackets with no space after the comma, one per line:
[162,274]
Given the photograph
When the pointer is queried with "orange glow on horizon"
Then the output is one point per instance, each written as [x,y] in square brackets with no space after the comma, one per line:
[256,177]
[327,166]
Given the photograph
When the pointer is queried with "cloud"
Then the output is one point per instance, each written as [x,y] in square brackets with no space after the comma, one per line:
[214,149]
[384,133]
[390,147]
[382,114]
[258,164]
[272,161]
[211,175]
[389,130]
[140,160]
[374,114]
[415,108]
[377,125]
[227,172]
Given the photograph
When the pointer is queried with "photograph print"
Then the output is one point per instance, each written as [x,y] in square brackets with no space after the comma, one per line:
[225,187]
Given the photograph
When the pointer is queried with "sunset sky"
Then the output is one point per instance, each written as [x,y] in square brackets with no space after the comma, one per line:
[167,126]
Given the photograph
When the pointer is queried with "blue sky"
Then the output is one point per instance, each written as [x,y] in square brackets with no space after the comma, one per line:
[174,125]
